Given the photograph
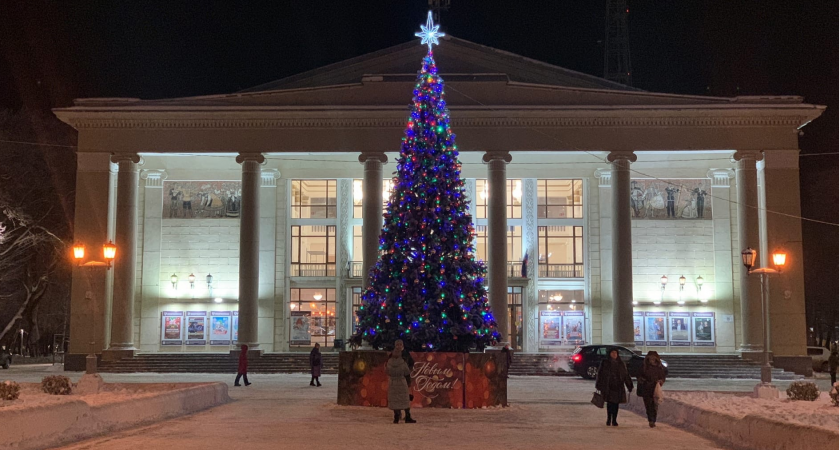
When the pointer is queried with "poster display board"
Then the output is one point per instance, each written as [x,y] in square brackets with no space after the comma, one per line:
[639,328]
[235,326]
[703,329]
[573,328]
[679,329]
[196,328]
[656,334]
[550,328]
[171,328]
[220,328]
[300,334]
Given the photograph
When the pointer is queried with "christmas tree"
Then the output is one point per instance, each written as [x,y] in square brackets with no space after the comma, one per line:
[427,287]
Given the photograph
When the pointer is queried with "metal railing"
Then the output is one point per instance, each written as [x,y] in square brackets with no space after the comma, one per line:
[354,269]
[561,270]
[514,269]
[312,270]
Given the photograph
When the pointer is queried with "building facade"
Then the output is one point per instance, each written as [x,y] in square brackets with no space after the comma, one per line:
[252,217]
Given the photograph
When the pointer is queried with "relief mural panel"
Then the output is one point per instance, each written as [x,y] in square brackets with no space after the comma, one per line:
[202,199]
[671,199]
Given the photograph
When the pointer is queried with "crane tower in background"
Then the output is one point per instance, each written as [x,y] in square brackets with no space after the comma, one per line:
[616,43]
[436,6]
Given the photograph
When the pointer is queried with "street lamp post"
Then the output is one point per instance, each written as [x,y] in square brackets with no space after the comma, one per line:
[109,252]
[779,260]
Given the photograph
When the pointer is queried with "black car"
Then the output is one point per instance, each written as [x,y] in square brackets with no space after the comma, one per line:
[5,358]
[586,360]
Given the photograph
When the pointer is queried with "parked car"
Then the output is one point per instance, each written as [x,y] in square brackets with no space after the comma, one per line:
[586,360]
[819,358]
[5,358]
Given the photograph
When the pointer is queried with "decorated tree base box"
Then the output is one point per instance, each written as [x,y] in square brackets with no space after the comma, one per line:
[438,379]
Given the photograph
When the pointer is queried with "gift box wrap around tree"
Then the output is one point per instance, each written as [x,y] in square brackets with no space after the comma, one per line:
[427,286]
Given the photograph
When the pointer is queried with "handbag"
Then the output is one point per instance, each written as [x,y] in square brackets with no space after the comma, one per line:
[658,393]
[597,399]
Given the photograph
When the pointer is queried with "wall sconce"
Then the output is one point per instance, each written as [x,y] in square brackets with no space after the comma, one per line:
[699,283]
[174,280]
[682,286]
[218,300]
[210,284]
[191,279]
[663,281]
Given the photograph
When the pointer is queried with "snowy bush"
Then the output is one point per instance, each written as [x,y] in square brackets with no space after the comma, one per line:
[801,390]
[833,395]
[9,390]
[56,385]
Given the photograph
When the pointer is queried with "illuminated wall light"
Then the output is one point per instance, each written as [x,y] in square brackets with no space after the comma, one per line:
[218,300]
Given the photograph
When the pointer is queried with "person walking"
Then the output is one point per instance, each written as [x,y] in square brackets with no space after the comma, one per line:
[612,378]
[315,365]
[398,397]
[651,376]
[832,364]
[242,370]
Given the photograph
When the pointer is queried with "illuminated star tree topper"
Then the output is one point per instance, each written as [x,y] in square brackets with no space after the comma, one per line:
[429,33]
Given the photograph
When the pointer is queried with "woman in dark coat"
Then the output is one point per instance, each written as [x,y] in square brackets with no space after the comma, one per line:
[315,365]
[652,374]
[242,369]
[612,379]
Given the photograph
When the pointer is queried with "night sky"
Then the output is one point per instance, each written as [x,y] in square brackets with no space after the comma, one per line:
[55,51]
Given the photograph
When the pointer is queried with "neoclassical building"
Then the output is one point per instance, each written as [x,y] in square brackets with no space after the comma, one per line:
[252,217]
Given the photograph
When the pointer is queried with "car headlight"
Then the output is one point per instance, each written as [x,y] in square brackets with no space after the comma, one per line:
[664,364]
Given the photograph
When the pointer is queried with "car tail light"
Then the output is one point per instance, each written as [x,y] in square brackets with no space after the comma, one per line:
[576,358]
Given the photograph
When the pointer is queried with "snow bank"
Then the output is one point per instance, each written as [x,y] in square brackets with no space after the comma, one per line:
[39,420]
[750,423]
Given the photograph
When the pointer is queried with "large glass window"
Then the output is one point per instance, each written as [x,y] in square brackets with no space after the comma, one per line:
[313,199]
[514,199]
[560,300]
[313,251]
[515,315]
[358,196]
[514,248]
[313,310]
[560,199]
[356,296]
[561,252]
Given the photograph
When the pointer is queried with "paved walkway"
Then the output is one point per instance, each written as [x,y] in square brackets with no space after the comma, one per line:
[283,411]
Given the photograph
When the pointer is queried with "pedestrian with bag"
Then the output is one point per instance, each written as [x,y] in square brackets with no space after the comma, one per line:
[650,381]
[398,396]
[612,378]
[315,365]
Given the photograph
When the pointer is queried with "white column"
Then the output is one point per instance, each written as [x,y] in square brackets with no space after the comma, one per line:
[622,254]
[497,239]
[344,244]
[249,249]
[530,235]
[371,210]
[268,249]
[748,236]
[125,263]
[605,249]
[719,289]
[150,275]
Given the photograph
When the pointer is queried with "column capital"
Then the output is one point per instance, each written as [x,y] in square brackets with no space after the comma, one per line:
[258,157]
[720,177]
[621,155]
[154,177]
[374,156]
[754,155]
[126,157]
[269,177]
[497,156]
[604,176]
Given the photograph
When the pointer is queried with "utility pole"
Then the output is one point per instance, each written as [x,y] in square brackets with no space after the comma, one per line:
[617,43]
[436,6]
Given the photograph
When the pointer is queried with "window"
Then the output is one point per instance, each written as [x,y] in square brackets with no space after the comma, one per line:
[560,199]
[358,196]
[514,248]
[313,251]
[313,199]
[561,251]
[313,309]
[560,300]
[515,315]
[356,296]
[815,351]
[514,199]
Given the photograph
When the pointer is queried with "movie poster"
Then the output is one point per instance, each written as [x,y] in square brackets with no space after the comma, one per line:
[680,329]
[703,329]
[573,328]
[220,328]
[235,326]
[171,329]
[300,328]
[655,332]
[639,328]
[550,328]
[196,328]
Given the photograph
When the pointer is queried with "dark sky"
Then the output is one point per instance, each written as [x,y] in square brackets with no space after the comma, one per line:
[54,51]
